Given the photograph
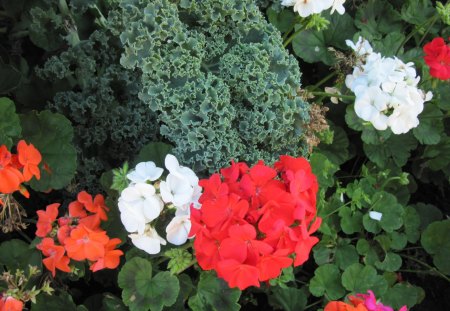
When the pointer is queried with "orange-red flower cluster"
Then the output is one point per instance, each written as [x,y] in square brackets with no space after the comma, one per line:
[254,222]
[362,302]
[18,168]
[77,236]
[9,303]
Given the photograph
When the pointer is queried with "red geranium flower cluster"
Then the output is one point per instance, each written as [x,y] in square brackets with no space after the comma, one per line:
[255,221]
[18,168]
[77,236]
[437,56]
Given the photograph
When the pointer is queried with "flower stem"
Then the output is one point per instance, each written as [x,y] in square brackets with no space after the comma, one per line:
[432,269]
[431,20]
[334,95]
[318,84]
[312,304]
[193,262]
[286,43]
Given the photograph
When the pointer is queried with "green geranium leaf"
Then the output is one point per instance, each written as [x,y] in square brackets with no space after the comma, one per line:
[346,255]
[324,169]
[289,298]
[312,46]
[436,242]
[403,294]
[337,152]
[214,294]
[141,291]
[155,152]
[428,213]
[369,253]
[62,301]
[439,154]
[326,280]
[397,149]
[10,78]
[411,220]
[431,126]
[351,222]
[391,263]
[16,254]
[392,213]
[112,303]
[186,289]
[399,240]
[417,12]
[389,45]
[377,17]
[51,133]
[10,127]
[283,19]
[358,278]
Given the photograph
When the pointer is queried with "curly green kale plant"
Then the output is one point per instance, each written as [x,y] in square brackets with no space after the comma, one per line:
[100,98]
[218,77]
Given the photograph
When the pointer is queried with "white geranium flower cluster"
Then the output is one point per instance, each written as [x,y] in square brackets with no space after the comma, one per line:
[386,90]
[309,7]
[141,203]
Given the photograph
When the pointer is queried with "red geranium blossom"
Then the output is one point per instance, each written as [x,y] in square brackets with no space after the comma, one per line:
[437,57]
[10,304]
[45,220]
[256,221]
[10,177]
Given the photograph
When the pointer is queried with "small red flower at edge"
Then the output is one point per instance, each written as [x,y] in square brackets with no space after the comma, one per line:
[437,57]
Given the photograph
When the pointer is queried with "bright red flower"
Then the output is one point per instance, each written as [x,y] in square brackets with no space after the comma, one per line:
[84,243]
[111,259]
[10,177]
[342,306]
[10,304]
[437,57]
[55,256]
[29,158]
[253,219]
[45,220]
[237,274]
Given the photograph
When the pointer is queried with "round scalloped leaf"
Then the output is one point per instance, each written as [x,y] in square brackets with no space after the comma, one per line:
[155,151]
[214,294]
[9,122]
[51,133]
[327,281]
[63,301]
[403,294]
[436,242]
[141,291]
[358,279]
[16,254]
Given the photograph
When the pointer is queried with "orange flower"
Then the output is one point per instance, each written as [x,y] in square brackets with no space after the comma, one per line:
[10,177]
[55,256]
[342,306]
[45,220]
[30,158]
[85,243]
[112,257]
[96,206]
[10,304]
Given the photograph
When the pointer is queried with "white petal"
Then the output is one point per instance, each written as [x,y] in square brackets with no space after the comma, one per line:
[375,215]
[178,230]
[145,171]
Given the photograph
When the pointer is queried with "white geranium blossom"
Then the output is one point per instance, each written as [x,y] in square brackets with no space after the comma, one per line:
[386,90]
[338,5]
[309,7]
[145,171]
[178,229]
[149,241]
[176,190]
[138,205]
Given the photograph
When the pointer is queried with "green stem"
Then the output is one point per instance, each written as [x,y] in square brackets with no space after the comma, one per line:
[434,20]
[63,7]
[318,84]
[193,262]
[286,43]
[334,95]
[337,209]
[313,304]
[432,269]
[26,237]
[431,20]
[387,181]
